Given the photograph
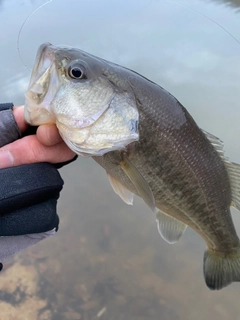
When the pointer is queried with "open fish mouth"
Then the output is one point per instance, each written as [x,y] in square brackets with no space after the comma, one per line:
[42,88]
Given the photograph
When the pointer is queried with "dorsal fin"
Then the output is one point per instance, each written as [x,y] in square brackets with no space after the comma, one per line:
[216,143]
[232,168]
[234,176]
[169,228]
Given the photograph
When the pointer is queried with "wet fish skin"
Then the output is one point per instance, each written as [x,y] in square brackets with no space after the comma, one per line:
[180,165]
[171,158]
[188,178]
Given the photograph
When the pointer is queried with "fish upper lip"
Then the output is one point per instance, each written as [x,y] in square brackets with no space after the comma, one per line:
[44,63]
[45,57]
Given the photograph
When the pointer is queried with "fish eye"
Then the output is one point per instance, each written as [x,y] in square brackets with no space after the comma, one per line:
[76,72]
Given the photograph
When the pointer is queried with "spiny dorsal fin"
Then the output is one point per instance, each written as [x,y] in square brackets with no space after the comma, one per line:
[232,168]
[169,228]
[139,182]
[124,193]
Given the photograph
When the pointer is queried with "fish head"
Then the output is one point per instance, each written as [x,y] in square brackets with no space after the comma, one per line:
[88,99]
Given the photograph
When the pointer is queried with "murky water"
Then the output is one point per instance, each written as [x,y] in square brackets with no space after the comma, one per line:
[107,261]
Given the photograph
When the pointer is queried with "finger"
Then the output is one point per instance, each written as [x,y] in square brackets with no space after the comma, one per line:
[29,150]
[18,113]
[48,135]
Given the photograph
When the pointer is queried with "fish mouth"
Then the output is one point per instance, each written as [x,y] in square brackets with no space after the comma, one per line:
[43,87]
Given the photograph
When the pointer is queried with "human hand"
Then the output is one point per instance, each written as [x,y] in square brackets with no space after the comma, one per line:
[29,187]
[45,146]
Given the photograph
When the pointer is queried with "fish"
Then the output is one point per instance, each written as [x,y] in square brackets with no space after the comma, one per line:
[149,145]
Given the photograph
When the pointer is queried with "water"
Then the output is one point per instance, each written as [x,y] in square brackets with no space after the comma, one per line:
[107,261]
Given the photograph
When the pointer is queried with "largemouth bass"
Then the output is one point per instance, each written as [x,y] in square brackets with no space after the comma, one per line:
[149,146]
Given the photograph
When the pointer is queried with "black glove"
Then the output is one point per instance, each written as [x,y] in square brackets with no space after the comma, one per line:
[28,196]
[28,200]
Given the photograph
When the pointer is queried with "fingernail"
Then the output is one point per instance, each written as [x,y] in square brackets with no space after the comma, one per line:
[6,159]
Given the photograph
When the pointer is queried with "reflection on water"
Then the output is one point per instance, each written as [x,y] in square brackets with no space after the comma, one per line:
[107,261]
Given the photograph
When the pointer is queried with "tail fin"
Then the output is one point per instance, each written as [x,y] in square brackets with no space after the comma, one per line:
[221,269]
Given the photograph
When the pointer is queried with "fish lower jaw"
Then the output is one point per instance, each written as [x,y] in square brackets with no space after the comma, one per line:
[93,149]
[38,117]
[84,142]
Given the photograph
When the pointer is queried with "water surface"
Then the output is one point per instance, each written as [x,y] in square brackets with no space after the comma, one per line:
[107,261]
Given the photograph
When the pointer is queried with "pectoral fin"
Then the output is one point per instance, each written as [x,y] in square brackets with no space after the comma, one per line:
[139,182]
[124,193]
[169,228]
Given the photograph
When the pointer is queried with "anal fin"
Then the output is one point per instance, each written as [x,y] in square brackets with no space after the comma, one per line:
[169,228]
